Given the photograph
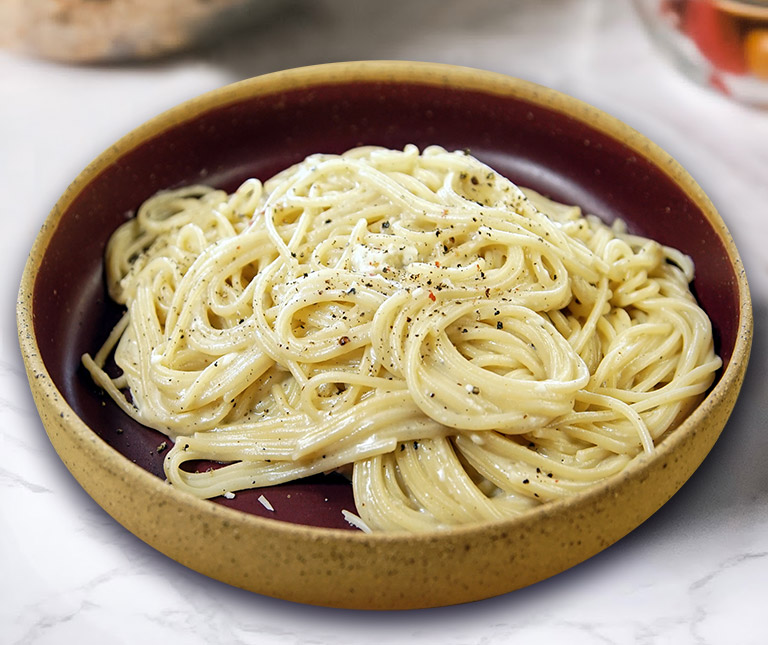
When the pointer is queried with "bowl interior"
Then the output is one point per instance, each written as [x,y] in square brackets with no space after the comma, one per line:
[260,133]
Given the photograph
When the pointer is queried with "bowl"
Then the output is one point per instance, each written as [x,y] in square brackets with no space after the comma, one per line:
[306,552]
[720,44]
[82,31]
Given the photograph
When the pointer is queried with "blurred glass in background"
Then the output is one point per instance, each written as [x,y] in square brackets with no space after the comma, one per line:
[94,31]
[722,44]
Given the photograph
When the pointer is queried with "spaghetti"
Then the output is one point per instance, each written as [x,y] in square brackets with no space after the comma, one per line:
[464,348]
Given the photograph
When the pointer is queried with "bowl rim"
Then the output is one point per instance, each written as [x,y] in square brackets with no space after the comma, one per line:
[425,73]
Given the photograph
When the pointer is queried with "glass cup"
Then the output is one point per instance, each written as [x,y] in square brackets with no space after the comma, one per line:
[722,44]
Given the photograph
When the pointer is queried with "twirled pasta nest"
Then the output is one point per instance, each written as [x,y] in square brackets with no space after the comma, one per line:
[469,348]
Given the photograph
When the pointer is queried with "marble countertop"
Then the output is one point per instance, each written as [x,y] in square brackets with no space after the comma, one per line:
[694,573]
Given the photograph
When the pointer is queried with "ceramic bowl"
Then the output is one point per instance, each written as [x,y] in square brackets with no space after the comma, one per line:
[304,551]
[83,31]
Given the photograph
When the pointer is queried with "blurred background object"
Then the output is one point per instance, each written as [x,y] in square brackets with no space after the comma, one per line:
[719,43]
[90,31]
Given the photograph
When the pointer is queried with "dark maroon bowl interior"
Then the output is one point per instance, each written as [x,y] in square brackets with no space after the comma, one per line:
[532,145]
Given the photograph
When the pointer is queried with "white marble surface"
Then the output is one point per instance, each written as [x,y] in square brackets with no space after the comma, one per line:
[694,573]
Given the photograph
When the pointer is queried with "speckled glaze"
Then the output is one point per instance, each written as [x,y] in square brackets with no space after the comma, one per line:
[534,135]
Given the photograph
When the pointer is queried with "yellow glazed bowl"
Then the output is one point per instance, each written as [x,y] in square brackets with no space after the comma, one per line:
[537,137]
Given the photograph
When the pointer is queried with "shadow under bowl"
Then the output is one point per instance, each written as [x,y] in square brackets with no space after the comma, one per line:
[304,550]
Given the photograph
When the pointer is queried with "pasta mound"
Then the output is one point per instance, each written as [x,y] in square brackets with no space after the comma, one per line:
[468,348]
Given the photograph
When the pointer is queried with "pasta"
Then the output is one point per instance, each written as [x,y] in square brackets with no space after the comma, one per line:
[462,348]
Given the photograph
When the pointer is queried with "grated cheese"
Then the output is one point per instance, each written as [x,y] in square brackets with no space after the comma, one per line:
[265,503]
[355,520]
